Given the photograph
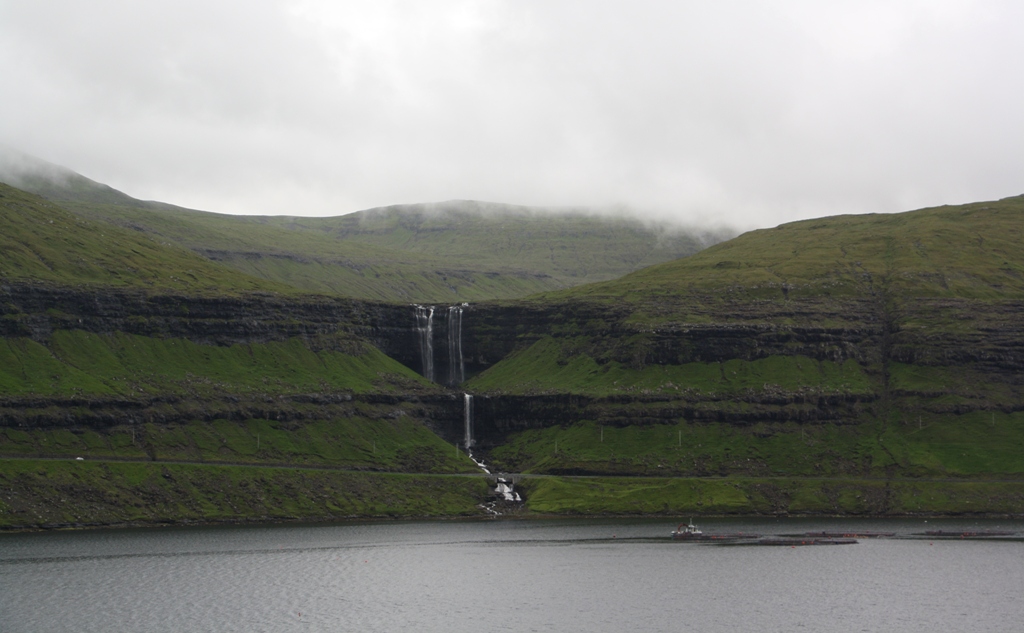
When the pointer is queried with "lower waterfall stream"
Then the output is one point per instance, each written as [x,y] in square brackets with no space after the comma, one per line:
[504,488]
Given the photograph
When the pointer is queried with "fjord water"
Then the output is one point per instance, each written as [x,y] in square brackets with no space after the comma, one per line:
[536,575]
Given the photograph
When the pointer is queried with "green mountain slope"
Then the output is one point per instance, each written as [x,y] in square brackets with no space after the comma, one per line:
[116,346]
[140,397]
[972,250]
[915,282]
[856,364]
[445,252]
[876,345]
[42,242]
[570,246]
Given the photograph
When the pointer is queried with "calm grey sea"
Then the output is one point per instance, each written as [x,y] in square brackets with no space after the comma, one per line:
[536,575]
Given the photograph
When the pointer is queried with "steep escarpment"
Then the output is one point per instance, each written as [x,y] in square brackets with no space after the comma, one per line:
[106,334]
[35,310]
[850,364]
[97,356]
[757,369]
[883,330]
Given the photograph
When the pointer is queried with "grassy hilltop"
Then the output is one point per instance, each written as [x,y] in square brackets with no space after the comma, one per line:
[40,242]
[966,251]
[564,247]
[443,252]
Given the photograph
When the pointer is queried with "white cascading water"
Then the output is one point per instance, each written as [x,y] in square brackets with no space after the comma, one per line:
[425,328]
[468,432]
[503,488]
[456,365]
[468,417]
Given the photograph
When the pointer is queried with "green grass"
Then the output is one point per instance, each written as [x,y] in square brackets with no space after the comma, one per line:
[55,493]
[935,285]
[315,261]
[927,285]
[461,252]
[935,387]
[128,380]
[972,251]
[443,252]
[569,246]
[81,363]
[377,278]
[691,448]
[748,496]
[980,444]
[562,366]
[399,444]
[106,391]
[41,242]
[64,493]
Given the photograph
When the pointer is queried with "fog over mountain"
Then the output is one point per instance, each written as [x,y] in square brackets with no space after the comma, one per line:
[745,113]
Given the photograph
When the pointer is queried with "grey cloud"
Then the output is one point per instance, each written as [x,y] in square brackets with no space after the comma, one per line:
[747,112]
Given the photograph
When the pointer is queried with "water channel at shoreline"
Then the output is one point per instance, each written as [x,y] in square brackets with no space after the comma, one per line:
[510,575]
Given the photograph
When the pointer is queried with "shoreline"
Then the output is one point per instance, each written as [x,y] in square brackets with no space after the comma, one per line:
[54,495]
[321,521]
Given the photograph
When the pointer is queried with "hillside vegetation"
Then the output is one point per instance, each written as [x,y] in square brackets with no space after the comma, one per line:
[42,242]
[872,290]
[858,364]
[445,252]
[78,363]
[878,345]
[570,247]
[972,251]
[129,396]
[61,494]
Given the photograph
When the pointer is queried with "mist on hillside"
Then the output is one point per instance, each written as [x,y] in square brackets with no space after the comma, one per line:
[21,170]
[452,212]
[38,176]
[55,182]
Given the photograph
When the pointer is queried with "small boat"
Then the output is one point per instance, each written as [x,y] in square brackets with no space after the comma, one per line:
[690,532]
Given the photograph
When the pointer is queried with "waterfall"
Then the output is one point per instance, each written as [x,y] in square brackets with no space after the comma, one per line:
[506,490]
[456,365]
[425,331]
[469,420]
[425,328]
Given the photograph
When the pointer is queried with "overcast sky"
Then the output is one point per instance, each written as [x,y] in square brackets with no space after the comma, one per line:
[751,113]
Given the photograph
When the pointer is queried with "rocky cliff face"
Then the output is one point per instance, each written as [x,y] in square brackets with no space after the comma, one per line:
[971,351]
[38,312]
[918,356]
[35,311]
[833,331]
[984,335]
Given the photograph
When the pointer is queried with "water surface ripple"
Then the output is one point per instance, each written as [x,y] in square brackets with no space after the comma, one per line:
[550,575]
